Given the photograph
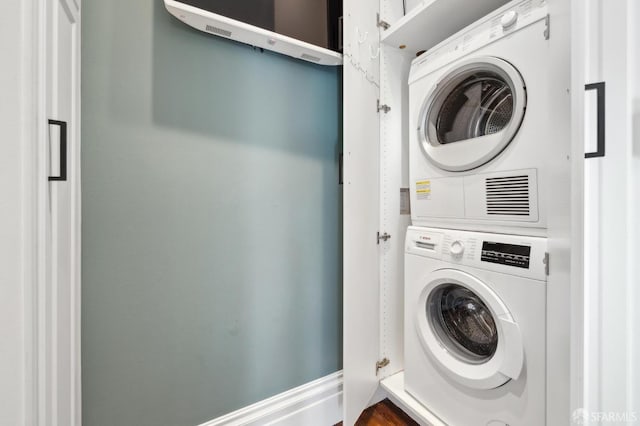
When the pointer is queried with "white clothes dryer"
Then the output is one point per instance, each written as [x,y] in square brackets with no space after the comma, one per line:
[479,109]
[475,322]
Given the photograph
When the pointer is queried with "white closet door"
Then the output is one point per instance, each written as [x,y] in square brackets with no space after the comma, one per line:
[361,322]
[60,295]
[611,209]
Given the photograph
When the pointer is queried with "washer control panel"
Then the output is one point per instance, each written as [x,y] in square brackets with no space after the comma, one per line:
[456,248]
[506,254]
[518,255]
[508,19]
[459,248]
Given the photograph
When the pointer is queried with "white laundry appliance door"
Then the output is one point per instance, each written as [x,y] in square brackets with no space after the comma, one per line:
[468,331]
[59,312]
[472,114]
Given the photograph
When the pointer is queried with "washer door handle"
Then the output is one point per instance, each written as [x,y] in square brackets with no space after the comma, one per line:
[600,90]
[514,353]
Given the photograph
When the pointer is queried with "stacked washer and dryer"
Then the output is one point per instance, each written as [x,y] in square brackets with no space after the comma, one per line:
[475,257]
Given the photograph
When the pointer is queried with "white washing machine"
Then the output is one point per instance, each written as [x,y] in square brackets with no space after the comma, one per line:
[479,135]
[475,323]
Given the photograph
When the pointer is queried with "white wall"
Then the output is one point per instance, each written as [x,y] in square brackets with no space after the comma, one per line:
[211,220]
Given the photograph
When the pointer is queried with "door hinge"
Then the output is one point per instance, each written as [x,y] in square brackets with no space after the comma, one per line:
[383,237]
[381,364]
[380,23]
[547,27]
[546,263]
[382,107]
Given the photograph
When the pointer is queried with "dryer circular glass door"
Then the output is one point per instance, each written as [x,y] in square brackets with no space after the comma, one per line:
[472,114]
[468,331]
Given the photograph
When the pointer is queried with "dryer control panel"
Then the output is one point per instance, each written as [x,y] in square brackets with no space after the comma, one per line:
[494,26]
[523,256]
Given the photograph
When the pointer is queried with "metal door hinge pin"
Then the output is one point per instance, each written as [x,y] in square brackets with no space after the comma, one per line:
[382,107]
[383,237]
[380,23]
[381,364]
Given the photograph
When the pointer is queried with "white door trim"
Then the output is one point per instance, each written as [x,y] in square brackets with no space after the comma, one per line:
[20,83]
[577,331]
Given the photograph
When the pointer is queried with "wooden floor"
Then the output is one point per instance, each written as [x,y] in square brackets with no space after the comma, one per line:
[384,413]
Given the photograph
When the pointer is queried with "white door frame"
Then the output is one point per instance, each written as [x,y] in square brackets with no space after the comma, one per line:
[19,38]
[577,394]
[26,362]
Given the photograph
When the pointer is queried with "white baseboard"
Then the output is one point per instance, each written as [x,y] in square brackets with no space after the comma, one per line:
[317,403]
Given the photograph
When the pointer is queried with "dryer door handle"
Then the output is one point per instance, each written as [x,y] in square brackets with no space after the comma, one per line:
[600,90]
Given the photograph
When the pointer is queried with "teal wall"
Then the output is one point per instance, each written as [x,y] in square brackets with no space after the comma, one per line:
[211,220]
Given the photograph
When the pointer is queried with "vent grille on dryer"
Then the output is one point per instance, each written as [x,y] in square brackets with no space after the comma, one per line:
[508,196]
[219,31]
[310,57]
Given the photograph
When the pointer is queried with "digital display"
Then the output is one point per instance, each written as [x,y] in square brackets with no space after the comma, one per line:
[312,21]
[506,254]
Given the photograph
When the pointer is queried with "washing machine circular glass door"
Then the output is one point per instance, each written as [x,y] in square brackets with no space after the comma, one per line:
[468,331]
[472,114]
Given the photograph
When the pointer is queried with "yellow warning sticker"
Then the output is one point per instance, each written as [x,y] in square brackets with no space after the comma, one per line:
[423,189]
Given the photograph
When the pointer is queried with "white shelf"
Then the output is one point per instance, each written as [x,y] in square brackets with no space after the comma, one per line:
[394,386]
[435,20]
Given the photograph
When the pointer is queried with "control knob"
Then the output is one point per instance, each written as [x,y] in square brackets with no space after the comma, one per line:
[457,249]
[508,19]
